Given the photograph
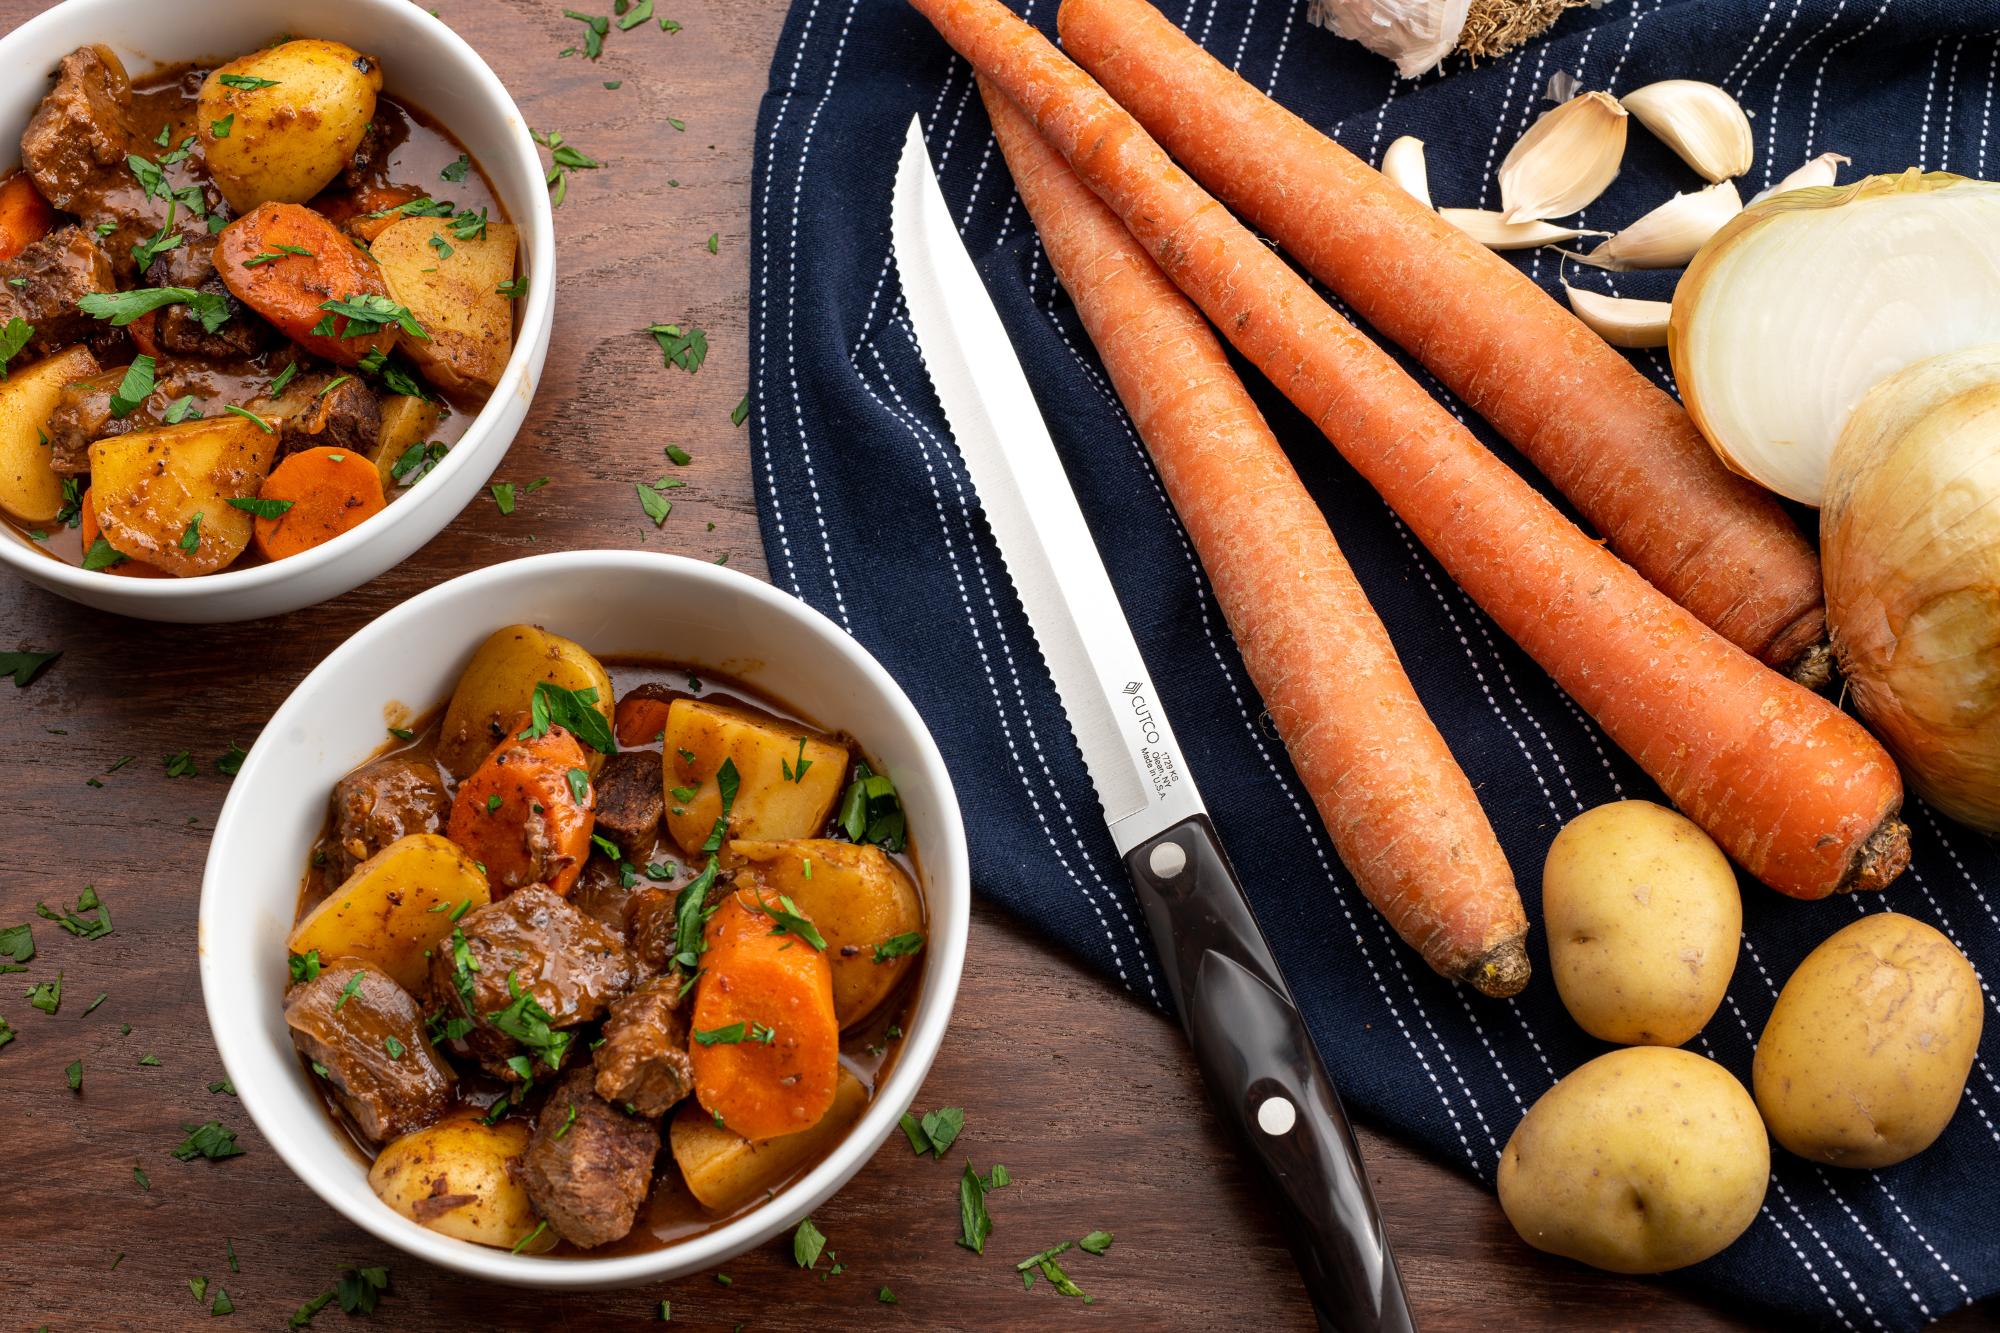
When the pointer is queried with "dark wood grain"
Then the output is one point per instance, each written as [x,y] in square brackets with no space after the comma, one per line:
[1090,1100]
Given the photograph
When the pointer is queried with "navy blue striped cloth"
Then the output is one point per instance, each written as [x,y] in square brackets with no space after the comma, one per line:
[868,514]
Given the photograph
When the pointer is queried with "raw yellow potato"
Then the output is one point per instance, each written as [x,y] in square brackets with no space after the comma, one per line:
[30,489]
[1867,1050]
[382,915]
[499,684]
[858,898]
[1643,919]
[772,799]
[724,1171]
[481,1198]
[287,138]
[406,420]
[452,286]
[151,489]
[1643,1160]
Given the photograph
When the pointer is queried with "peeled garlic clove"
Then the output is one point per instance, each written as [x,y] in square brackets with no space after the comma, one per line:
[1700,122]
[1621,320]
[1822,170]
[1668,236]
[1565,159]
[1493,231]
[1416,34]
[1404,164]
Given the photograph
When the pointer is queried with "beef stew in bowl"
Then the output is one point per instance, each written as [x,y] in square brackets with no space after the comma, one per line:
[604,953]
[244,305]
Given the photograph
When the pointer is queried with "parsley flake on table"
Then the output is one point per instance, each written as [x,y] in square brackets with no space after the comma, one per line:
[684,347]
[46,995]
[102,996]
[25,666]
[73,1075]
[209,1140]
[180,765]
[975,1223]
[145,1181]
[741,412]
[150,1061]
[231,762]
[656,505]
[564,159]
[714,239]
[936,1131]
[75,922]
[18,942]
[503,495]
[808,1242]
[227,1089]
[7,1033]
[222,1304]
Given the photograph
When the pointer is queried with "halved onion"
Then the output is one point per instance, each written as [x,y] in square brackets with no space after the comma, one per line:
[1807,300]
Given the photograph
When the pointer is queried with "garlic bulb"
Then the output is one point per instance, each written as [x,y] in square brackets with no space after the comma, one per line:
[1565,160]
[1668,236]
[1910,536]
[1416,34]
[1493,231]
[1700,122]
[1821,170]
[1403,163]
[1804,302]
[1621,320]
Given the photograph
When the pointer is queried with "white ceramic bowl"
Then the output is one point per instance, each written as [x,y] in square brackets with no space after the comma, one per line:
[612,602]
[430,65]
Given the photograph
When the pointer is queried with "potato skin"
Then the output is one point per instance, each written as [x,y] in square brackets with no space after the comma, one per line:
[455,297]
[287,141]
[1867,1050]
[147,487]
[1643,919]
[769,804]
[1640,1161]
[724,1170]
[476,1163]
[30,490]
[857,897]
[382,914]
[498,685]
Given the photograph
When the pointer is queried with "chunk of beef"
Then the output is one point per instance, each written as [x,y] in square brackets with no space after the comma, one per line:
[651,937]
[630,801]
[381,802]
[83,415]
[588,1165]
[532,943]
[44,282]
[179,331]
[82,131]
[643,1063]
[347,416]
[642,915]
[368,1035]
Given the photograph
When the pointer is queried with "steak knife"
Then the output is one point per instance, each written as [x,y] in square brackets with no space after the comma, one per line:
[1255,1055]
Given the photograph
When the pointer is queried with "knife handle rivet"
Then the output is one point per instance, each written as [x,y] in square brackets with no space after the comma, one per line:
[1277,1115]
[1167,860]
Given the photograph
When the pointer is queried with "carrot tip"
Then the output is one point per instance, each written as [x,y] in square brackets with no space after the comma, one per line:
[1813,668]
[1502,970]
[1883,857]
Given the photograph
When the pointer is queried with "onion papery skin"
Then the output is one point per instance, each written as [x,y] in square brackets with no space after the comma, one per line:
[1910,541]
[1805,301]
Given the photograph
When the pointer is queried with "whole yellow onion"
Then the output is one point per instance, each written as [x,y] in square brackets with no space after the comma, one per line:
[1910,538]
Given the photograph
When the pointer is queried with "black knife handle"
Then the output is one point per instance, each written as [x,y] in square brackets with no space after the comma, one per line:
[1265,1077]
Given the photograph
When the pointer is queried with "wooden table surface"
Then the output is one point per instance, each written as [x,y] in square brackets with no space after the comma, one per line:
[1089,1100]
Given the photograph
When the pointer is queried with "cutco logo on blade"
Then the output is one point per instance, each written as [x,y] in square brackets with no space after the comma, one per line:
[1159,763]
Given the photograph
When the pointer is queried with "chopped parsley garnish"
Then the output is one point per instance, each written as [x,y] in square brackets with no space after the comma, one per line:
[304,966]
[425,207]
[208,1140]
[740,412]
[274,254]
[579,785]
[727,781]
[24,666]
[974,1221]
[870,811]
[1097,1242]
[285,376]
[690,915]
[248,415]
[13,337]
[886,1296]
[678,456]
[360,1291]
[788,920]
[684,347]
[121,308]
[441,246]
[245,82]
[469,226]
[231,761]
[528,1239]
[808,1242]
[347,992]
[258,507]
[366,314]
[416,461]
[795,771]
[731,1035]
[18,942]
[714,239]
[514,288]
[564,159]
[455,172]
[219,129]
[393,1047]
[145,1183]
[181,765]
[150,1061]
[85,928]
[180,410]
[899,946]
[191,534]
[935,1133]
[102,555]
[656,505]
[73,1075]
[573,710]
[503,496]
[528,1022]
[134,389]
[227,1089]
[595,26]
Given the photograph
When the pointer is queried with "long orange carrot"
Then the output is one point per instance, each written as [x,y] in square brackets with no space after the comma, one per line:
[1790,786]
[1622,450]
[1399,809]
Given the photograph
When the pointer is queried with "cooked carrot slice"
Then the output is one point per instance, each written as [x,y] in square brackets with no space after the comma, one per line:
[330,491]
[526,813]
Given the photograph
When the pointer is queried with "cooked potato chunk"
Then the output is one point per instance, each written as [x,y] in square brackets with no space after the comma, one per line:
[777,796]
[382,914]
[459,1177]
[452,286]
[498,685]
[860,900]
[162,495]
[30,490]
[292,116]
[405,421]
[725,1170]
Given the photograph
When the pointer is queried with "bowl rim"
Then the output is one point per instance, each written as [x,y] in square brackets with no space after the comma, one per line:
[539,313]
[946,877]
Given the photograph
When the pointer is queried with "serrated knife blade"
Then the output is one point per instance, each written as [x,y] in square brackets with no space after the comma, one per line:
[1248,1037]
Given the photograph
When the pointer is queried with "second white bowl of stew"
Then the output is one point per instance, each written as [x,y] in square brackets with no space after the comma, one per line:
[585,920]
[276,283]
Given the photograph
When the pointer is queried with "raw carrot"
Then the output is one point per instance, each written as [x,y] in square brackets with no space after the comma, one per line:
[764,1041]
[1620,448]
[526,813]
[1402,815]
[329,490]
[89,531]
[286,262]
[1790,786]
[25,217]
